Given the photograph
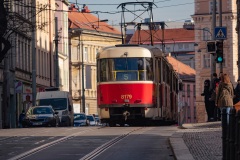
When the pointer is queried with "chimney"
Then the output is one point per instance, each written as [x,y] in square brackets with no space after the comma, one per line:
[73,8]
[85,9]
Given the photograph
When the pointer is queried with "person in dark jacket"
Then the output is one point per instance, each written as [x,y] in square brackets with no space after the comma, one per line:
[207,95]
[237,92]
[21,117]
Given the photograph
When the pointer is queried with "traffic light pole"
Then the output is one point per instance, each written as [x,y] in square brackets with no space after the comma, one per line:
[213,62]
[220,24]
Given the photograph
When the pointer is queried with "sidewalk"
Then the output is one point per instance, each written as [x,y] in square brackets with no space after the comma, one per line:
[198,141]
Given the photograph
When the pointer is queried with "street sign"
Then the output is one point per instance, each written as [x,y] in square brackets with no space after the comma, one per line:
[220,33]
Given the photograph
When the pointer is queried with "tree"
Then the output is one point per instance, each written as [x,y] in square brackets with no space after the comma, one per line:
[3,29]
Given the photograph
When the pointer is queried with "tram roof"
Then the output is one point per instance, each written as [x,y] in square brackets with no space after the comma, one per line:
[130,51]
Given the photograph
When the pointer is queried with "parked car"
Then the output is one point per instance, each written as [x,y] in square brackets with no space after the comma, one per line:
[41,116]
[91,119]
[80,119]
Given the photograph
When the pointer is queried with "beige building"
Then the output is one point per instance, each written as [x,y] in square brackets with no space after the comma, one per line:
[203,31]
[63,47]
[17,65]
[87,36]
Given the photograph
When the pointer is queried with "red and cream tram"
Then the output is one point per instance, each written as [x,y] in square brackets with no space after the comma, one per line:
[136,85]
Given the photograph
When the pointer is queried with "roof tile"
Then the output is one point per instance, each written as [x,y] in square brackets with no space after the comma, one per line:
[170,36]
[181,68]
[88,21]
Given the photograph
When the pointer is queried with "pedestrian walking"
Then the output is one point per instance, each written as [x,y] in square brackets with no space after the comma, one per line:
[225,93]
[207,95]
[21,117]
[214,87]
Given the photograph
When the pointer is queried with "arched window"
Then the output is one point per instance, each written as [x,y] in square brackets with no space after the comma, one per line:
[206,34]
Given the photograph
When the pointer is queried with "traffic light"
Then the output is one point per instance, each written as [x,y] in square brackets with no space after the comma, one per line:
[219,52]
[211,47]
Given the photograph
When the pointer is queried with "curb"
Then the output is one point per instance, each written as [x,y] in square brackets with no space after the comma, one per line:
[180,150]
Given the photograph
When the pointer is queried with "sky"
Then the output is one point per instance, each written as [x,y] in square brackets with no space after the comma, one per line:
[165,10]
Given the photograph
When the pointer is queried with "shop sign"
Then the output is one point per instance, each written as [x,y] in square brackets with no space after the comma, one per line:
[18,87]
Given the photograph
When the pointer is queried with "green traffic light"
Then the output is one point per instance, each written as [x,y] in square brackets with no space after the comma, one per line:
[220,59]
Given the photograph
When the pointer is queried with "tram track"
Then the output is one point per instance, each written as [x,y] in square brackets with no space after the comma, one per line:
[107,145]
[47,145]
[30,133]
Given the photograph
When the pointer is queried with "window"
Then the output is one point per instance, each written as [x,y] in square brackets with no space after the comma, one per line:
[168,49]
[194,90]
[188,90]
[186,46]
[183,90]
[206,34]
[211,6]
[39,63]
[22,55]
[96,51]
[56,103]
[88,77]
[189,112]
[195,112]
[85,57]
[180,46]
[206,60]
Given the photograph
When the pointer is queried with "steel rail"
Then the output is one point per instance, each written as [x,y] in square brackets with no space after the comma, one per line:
[47,145]
[107,145]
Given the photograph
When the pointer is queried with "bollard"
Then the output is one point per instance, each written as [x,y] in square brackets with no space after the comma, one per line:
[224,132]
[237,137]
[231,129]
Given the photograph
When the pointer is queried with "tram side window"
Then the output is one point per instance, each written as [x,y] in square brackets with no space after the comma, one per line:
[149,67]
[159,70]
[164,72]
[103,72]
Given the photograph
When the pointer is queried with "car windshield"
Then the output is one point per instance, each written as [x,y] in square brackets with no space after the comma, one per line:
[40,110]
[79,117]
[56,103]
[90,118]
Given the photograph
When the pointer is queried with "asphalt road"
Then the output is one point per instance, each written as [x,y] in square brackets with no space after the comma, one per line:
[76,143]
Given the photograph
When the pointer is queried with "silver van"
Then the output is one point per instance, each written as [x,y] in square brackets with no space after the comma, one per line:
[61,101]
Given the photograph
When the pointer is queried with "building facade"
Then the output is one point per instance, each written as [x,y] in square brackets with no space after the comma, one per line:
[63,50]
[16,69]
[204,32]
[187,95]
[87,35]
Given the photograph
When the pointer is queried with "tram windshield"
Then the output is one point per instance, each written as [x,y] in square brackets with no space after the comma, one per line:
[125,69]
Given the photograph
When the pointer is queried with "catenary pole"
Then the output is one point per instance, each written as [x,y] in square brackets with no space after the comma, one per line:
[56,53]
[33,52]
